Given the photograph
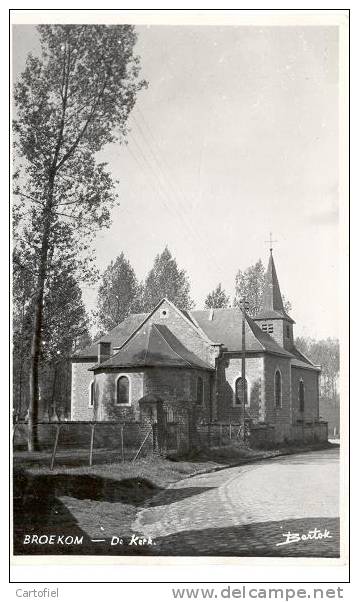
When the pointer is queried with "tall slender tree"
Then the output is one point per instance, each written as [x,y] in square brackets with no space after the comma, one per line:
[217,298]
[70,102]
[65,325]
[249,284]
[166,279]
[118,293]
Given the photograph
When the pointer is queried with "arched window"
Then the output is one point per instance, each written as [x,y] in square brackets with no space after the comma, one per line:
[92,394]
[238,391]
[301,396]
[278,389]
[122,390]
[200,390]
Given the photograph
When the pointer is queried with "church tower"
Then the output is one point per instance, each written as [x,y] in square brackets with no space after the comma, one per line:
[272,317]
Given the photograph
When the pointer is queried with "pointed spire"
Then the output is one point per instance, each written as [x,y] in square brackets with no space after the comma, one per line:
[271,297]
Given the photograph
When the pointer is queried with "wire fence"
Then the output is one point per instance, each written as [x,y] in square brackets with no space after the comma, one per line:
[89,442]
[85,441]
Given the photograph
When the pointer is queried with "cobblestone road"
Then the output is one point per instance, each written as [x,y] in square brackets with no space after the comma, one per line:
[246,511]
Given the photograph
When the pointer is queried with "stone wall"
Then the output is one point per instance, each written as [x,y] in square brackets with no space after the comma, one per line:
[105,395]
[310,433]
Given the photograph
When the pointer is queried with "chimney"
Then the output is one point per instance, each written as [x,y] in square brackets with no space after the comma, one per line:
[103,351]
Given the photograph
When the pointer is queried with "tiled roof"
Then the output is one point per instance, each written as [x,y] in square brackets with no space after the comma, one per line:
[224,326]
[154,345]
[301,360]
[117,336]
[300,364]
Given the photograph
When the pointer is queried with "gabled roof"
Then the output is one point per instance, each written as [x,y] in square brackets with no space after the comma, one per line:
[139,343]
[154,345]
[272,302]
[117,336]
[224,326]
[184,314]
[270,314]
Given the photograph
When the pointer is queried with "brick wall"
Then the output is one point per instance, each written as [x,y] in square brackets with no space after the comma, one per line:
[311,396]
[81,379]
[178,385]
[280,417]
[229,369]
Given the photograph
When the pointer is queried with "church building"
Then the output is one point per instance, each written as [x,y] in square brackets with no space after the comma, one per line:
[195,357]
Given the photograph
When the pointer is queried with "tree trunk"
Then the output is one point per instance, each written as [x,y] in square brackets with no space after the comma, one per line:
[54,414]
[32,441]
[19,409]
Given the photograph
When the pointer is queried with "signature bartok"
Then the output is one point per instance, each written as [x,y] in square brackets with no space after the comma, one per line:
[311,534]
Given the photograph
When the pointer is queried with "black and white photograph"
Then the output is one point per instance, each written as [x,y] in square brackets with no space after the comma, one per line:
[178,326]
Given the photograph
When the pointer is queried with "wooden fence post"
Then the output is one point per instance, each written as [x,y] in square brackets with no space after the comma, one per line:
[178,437]
[91,443]
[230,431]
[122,450]
[58,427]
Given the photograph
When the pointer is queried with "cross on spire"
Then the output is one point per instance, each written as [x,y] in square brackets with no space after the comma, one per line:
[270,242]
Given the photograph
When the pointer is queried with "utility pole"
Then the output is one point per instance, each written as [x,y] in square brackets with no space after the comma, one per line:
[244,305]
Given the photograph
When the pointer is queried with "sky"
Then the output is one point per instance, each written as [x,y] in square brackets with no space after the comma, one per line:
[235,137]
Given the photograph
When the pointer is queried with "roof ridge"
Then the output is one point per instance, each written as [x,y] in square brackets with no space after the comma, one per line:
[148,343]
[169,344]
[178,311]
[271,340]
[202,332]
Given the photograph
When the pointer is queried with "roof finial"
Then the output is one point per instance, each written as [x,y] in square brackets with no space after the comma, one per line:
[271,241]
